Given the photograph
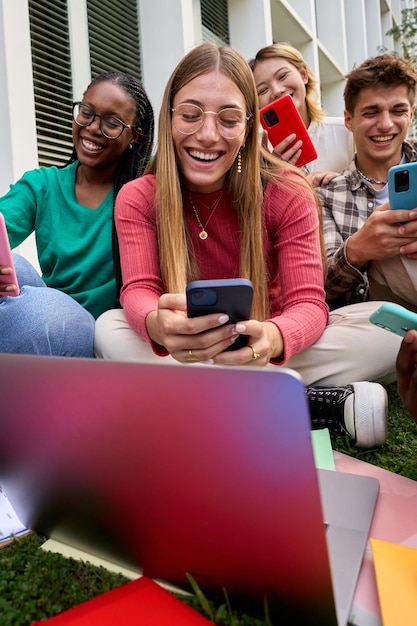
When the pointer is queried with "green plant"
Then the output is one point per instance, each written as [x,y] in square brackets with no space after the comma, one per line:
[35,584]
[406,33]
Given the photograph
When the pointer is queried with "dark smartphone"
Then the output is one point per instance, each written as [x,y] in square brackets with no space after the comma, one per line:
[280,119]
[6,259]
[232,296]
[394,318]
[402,186]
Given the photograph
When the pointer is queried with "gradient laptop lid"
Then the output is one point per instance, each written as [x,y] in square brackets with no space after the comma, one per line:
[179,469]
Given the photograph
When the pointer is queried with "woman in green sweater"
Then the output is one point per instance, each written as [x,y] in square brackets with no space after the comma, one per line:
[70,209]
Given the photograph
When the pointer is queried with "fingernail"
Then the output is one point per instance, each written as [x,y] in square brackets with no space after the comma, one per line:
[222,319]
[240,328]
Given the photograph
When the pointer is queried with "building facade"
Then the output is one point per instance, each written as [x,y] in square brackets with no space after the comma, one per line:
[50,50]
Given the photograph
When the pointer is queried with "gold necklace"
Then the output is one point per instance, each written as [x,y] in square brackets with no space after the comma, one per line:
[204,234]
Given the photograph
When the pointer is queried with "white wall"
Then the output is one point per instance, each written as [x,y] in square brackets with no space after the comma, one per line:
[250,25]
[168,30]
[17,104]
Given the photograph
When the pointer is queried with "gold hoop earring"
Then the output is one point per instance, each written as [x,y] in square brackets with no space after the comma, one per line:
[239,161]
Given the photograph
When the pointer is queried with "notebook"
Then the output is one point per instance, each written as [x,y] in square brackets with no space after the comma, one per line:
[140,602]
[177,469]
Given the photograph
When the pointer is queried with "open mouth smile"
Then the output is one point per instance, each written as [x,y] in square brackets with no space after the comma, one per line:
[204,156]
[91,145]
[382,138]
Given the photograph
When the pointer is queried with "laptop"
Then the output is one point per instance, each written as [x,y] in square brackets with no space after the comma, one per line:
[182,469]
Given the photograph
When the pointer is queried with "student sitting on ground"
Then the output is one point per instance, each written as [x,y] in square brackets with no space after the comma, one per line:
[70,209]
[371,252]
[215,204]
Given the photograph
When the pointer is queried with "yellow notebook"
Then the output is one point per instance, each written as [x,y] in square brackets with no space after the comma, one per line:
[396,577]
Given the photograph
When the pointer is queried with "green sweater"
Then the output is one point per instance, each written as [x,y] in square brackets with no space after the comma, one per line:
[74,242]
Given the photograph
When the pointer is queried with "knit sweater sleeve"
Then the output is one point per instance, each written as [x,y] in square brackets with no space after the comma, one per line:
[297,298]
[138,241]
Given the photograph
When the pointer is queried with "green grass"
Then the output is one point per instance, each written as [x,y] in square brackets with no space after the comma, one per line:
[35,584]
[399,454]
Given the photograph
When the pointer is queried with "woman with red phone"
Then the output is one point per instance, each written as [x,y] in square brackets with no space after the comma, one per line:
[280,69]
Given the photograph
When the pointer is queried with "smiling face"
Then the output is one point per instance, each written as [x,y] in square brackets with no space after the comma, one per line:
[93,148]
[380,123]
[275,77]
[205,157]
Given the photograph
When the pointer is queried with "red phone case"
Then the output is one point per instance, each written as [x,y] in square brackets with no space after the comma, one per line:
[6,259]
[280,119]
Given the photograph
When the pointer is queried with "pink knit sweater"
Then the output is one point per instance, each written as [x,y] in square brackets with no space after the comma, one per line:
[296,293]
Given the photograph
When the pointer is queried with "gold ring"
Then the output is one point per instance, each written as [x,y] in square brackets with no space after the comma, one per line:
[255,355]
[191,358]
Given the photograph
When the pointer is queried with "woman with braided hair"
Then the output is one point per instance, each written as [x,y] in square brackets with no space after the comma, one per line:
[71,211]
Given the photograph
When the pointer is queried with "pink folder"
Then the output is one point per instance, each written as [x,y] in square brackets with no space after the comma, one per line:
[395,521]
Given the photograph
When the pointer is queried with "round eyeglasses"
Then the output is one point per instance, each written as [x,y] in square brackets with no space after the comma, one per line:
[189,118]
[111,127]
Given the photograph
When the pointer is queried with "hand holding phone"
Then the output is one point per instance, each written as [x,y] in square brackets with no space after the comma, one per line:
[6,259]
[281,119]
[230,296]
[394,318]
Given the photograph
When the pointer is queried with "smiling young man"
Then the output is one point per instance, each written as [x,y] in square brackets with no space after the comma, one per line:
[371,253]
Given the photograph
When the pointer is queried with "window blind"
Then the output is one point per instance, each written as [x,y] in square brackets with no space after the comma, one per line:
[114,45]
[51,79]
[215,21]
[114,36]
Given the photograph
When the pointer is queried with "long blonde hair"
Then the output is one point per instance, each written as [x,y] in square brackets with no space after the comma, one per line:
[245,189]
[285,51]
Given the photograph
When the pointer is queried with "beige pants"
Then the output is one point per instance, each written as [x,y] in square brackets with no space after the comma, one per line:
[394,280]
[351,349]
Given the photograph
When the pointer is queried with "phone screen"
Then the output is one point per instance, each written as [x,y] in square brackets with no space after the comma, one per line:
[230,296]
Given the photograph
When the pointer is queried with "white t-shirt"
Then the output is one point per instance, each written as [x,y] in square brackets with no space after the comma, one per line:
[334,145]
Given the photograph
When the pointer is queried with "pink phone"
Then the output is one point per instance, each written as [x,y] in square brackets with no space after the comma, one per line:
[280,119]
[7,259]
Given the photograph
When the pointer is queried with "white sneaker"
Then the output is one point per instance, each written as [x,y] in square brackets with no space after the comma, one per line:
[359,409]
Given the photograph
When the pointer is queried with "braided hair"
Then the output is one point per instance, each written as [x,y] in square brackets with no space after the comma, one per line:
[135,158]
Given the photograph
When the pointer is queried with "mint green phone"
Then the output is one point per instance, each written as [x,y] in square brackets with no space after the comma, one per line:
[394,318]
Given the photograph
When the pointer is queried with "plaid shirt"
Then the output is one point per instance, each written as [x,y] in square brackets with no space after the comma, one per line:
[347,203]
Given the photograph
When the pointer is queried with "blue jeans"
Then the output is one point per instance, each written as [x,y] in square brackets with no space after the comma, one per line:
[44,321]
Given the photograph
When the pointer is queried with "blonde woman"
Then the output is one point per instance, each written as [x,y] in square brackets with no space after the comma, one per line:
[215,204]
[280,69]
